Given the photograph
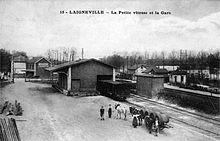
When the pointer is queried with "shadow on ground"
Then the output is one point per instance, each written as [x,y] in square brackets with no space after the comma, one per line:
[48,90]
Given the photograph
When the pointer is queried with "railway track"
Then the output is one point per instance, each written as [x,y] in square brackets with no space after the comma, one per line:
[203,124]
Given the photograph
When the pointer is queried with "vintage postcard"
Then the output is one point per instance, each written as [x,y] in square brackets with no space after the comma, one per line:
[114,70]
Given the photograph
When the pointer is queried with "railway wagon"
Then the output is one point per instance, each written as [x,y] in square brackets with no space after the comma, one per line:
[114,89]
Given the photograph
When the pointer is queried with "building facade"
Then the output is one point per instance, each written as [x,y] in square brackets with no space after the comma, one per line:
[35,67]
[178,77]
[19,65]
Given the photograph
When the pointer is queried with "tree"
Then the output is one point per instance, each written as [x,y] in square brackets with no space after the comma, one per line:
[5,61]
[115,60]
[19,53]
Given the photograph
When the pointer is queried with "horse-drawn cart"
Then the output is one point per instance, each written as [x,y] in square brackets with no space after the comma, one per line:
[149,116]
[162,120]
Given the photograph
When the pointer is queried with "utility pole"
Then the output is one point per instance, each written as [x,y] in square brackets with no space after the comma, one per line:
[127,63]
[82,53]
[12,68]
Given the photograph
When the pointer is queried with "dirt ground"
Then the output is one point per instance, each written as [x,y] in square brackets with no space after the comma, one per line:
[51,116]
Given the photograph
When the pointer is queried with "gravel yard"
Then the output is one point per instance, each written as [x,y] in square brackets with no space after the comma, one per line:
[51,116]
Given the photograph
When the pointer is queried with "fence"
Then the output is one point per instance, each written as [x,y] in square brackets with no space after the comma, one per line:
[8,130]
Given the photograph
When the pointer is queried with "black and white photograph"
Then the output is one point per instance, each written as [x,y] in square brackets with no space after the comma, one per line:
[109,70]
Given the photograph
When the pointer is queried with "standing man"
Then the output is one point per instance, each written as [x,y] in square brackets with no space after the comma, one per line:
[110,111]
[102,111]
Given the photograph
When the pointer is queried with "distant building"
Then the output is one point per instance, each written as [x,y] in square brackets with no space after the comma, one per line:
[168,68]
[35,67]
[82,74]
[199,73]
[215,74]
[19,65]
[136,70]
[157,71]
[178,77]
[205,73]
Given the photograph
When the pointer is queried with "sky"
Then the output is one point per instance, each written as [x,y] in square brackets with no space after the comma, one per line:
[34,26]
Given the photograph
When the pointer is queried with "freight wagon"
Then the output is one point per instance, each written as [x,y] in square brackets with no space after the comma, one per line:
[114,89]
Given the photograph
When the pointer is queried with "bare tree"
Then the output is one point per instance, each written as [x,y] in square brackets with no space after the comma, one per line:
[173,57]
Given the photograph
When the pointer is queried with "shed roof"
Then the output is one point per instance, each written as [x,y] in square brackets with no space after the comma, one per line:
[74,63]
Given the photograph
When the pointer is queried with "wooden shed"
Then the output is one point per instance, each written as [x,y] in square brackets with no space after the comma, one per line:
[149,85]
[82,74]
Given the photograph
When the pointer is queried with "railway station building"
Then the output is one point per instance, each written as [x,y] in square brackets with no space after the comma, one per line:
[82,74]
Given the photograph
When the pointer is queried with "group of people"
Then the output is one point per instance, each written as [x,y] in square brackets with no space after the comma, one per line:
[102,112]
[151,122]
[11,109]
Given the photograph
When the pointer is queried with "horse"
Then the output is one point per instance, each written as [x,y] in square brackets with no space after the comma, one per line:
[120,110]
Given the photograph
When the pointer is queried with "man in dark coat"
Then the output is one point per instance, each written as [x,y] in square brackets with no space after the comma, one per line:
[135,121]
[110,111]
[151,121]
[102,111]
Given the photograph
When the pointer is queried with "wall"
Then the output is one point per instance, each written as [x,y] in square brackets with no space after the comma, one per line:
[40,70]
[149,86]
[178,80]
[157,85]
[62,80]
[87,73]
[19,67]
[144,86]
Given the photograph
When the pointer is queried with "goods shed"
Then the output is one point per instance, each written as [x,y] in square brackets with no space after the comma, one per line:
[82,74]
